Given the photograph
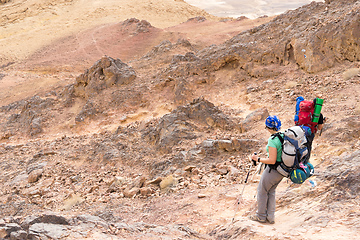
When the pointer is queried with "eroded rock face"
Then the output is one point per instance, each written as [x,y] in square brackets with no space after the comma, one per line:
[184,123]
[29,117]
[167,46]
[88,111]
[315,37]
[343,181]
[105,73]
[345,130]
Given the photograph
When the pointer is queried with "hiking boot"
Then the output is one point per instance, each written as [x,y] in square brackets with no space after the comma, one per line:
[256,218]
[270,221]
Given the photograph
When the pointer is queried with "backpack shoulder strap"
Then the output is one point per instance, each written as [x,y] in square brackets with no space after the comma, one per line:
[278,135]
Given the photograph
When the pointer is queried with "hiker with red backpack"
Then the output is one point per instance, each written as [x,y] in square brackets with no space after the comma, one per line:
[288,155]
[308,115]
[269,179]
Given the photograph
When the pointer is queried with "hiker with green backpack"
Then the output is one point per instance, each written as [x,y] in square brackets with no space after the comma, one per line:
[288,156]
[269,179]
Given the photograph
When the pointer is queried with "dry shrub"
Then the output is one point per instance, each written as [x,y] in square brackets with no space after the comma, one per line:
[352,72]
[290,84]
[73,200]
[167,182]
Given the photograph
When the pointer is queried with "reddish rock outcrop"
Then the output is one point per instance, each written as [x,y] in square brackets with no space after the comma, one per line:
[105,73]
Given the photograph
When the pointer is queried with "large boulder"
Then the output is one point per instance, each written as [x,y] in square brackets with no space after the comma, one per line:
[105,73]
[135,26]
[254,117]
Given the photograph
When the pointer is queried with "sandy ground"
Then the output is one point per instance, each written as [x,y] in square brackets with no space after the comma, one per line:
[250,9]
[26,26]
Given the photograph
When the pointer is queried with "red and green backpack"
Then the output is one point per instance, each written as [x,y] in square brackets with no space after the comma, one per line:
[308,113]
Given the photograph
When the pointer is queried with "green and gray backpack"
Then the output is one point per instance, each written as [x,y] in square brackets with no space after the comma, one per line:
[295,154]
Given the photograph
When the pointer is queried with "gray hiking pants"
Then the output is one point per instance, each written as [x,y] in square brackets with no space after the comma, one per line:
[266,194]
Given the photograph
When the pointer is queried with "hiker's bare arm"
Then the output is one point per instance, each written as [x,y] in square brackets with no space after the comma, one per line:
[270,160]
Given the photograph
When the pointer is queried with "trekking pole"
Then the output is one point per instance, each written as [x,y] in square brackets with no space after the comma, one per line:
[322,128]
[246,179]
[258,171]
[262,167]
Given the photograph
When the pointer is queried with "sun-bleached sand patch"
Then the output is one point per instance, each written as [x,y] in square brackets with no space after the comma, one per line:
[250,9]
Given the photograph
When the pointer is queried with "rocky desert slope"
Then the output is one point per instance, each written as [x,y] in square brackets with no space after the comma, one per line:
[135,121]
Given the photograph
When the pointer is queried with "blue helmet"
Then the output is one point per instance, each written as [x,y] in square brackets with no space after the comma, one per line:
[273,122]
